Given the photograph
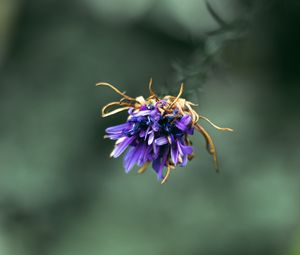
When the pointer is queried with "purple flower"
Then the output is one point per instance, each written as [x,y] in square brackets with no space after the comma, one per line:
[152,136]
[157,131]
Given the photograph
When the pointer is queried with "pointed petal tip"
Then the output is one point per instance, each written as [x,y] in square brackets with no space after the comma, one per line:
[160,177]
[127,170]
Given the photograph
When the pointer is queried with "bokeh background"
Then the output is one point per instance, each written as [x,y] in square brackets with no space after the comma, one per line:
[60,194]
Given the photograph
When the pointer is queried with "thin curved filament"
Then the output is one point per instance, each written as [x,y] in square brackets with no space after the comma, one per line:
[144,167]
[215,126]
[178,96]
[105,114]
[167,175]
[116,90]
[152,93]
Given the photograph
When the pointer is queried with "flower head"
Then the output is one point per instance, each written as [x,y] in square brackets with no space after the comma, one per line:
[157,131]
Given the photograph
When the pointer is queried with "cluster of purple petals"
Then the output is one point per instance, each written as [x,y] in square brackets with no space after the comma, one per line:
[151,136]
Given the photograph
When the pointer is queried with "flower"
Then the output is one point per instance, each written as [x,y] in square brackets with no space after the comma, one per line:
[157,131]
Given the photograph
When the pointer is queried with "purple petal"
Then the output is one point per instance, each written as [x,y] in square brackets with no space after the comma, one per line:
[187,149]
[118,129]
[143,107]
[121,147]
[159,163]
[151,138]
[190,131]
[184,160]
[184,149]
[147,133]
[142,157]
[114,136]
[183,123]
[155,150]
[156,165]
[142,113]
[161,102]
[142,133]
[180,125]
[127,161]
[186,119]
[149,153]
[135,155]
[161,141]
[179,148]
[130,110]
[174,154]
[155,126]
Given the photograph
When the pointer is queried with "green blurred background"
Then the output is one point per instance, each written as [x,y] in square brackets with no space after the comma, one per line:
[60,194]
